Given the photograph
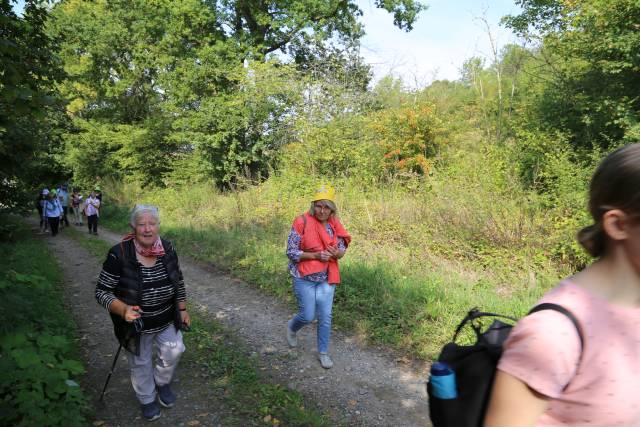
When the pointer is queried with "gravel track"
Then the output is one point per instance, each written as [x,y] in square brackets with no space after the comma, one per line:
[368,386]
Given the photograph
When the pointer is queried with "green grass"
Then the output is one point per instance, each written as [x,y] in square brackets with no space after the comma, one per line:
[407,298]
[96,247]
[39,367]
[424,251]
[115,217]
[249,397]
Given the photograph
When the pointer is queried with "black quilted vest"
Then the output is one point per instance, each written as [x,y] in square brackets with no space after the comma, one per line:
[128,289]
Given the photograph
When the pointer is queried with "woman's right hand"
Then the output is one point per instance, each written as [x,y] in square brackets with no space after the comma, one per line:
[131,313]
[324,256]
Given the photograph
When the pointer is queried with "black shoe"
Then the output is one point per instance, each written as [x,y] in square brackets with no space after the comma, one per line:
[166,396]
[151,411]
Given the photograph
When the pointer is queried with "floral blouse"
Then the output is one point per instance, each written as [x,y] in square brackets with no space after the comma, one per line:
[294,252]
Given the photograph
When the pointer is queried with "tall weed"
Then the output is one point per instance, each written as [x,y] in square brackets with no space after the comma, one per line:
[425,249]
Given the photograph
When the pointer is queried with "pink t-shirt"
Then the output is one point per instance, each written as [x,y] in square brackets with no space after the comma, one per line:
[603,388]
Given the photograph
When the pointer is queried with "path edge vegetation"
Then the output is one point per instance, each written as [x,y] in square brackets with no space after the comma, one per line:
[398,293]
[40,368]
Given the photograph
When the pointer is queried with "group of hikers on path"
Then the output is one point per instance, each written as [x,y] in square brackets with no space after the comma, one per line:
[546,375]
[142,287]
[54,207]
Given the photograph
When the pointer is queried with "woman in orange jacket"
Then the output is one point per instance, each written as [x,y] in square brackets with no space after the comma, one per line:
[316,242]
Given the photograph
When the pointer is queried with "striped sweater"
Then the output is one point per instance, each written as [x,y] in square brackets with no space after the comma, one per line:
[156,298]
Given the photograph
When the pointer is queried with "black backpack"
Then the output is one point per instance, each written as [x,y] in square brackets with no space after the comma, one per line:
[475,367]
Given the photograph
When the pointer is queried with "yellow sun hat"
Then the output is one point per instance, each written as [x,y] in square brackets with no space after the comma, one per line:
[324,192]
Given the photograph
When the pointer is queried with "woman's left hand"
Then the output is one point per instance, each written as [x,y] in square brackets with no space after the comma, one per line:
[186,319]
[335,252]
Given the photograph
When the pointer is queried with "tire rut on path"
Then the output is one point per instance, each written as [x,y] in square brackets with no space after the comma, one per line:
[366,387]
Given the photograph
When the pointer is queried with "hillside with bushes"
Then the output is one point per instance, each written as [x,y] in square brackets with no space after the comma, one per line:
[458,194]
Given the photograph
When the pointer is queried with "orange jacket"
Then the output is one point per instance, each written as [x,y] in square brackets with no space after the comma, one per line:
[315,239]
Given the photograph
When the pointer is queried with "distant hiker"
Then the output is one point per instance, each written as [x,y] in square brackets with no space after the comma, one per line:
[42,197]
[316,241]
[76,203]
[60,198]
[92,211]
[53,211]
[63,196]
[141,285]
[546,375]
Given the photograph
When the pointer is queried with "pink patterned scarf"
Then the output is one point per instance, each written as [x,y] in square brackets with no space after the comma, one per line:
[155,250]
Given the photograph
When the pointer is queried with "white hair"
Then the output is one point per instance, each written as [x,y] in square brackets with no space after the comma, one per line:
[138,210]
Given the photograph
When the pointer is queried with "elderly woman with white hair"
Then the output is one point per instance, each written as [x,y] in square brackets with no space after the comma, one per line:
[142,287]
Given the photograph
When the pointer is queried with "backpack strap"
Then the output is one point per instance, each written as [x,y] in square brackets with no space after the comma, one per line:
[304,224]
[474,314]
[574,320]
[561,309]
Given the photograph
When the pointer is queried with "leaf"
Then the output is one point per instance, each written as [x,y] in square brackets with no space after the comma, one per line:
[14,341]
[72,366]
[52,342]
[26,359]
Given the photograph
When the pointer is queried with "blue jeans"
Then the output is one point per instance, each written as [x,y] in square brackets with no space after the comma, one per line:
[314,298]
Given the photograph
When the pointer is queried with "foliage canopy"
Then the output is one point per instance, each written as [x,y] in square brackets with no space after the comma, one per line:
[170,91]
[30,119]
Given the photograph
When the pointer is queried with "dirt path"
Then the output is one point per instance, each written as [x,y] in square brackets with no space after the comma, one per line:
[98,348]
[366,387]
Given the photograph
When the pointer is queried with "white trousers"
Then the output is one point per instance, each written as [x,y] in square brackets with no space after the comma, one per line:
[147,374]
[77,215]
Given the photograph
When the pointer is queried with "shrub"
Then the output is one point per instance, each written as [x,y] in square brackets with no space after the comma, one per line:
[37,386]
[399,141]
[38,366]
[340,148]
[408,136]
[550,166]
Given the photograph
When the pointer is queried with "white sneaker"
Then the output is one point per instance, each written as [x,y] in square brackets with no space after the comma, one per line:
[291,337]
[325,360]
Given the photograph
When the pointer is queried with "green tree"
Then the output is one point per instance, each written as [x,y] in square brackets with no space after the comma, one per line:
[129,65]
[29,108]
[196,82]
[291,25]
[591,53]
[238,132]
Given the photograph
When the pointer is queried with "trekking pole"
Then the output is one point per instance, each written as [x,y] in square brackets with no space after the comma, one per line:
[113,366]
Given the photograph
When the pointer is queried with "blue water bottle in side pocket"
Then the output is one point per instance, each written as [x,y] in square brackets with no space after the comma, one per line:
[443,381]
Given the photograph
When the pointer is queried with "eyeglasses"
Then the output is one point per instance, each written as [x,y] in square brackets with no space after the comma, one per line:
[321,206]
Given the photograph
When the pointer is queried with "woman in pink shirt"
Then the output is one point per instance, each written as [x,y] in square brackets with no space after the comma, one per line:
[545,376]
